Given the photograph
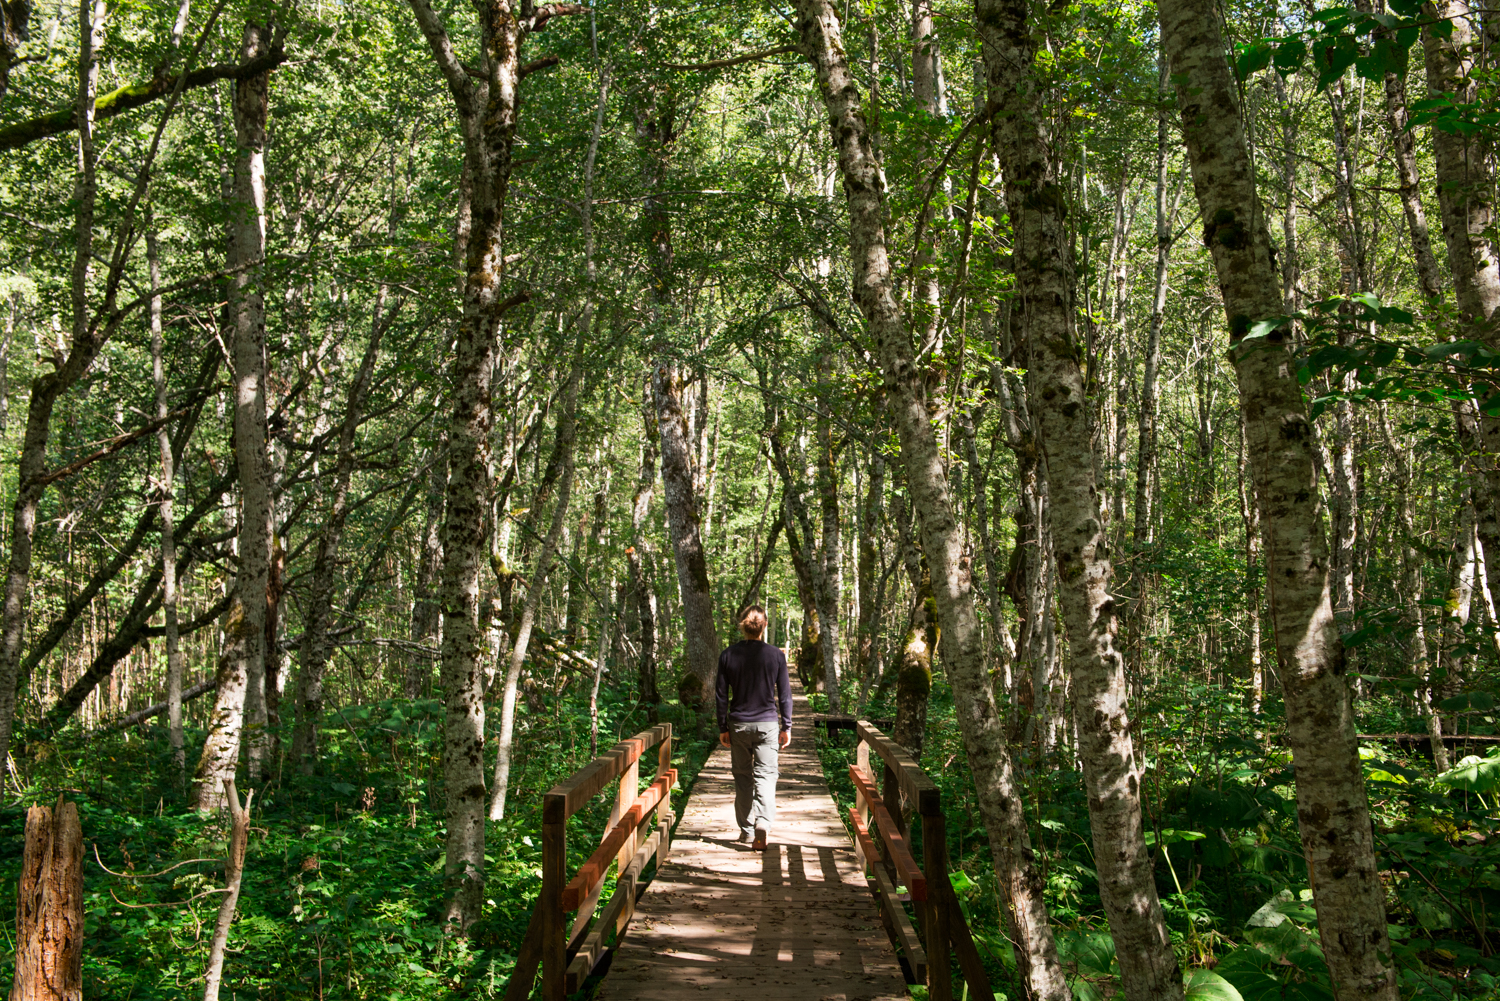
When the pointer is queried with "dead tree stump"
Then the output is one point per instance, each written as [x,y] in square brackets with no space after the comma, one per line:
[49,907]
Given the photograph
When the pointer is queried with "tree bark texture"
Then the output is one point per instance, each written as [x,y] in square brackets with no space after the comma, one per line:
[234,874]
[978,717]
[241,688]
[1332,809]
[49,907]
[639,558]
[486,107]
[14,15]
[1038,203]
[165,514]
[699,632]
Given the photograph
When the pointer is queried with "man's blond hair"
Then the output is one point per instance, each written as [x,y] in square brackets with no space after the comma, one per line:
[753,622]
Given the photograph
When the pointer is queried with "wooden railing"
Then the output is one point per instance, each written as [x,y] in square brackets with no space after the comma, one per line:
[568,953]
[941,931]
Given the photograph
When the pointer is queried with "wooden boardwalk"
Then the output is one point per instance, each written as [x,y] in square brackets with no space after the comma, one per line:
[796,923]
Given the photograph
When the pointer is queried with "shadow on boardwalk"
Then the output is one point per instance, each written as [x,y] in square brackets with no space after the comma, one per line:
[795,923]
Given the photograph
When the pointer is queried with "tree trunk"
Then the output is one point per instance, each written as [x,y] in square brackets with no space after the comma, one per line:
[317,643]
[48,387]
[978,717]
[1038,205]
[14,15]
[564,450]
[1143,535]
[1250,515]
[241,687]
[1332,810]
[426,608]
[1404,152]
[701,637]
[866,567]
[639,557]
[165,513]
[234,874]
[486,109]
[49,907]
[1404,485]
[831,574]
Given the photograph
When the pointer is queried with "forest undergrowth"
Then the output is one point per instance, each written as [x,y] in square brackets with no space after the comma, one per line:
[343,888]
[1222,820]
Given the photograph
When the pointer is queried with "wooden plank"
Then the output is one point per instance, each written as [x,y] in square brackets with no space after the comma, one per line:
[554,862]
[528,958]
[935,923]
[586,783]
[906,935]
[864,848]
[919,789]
[890,834]
[592,872]
[625,795]
[615,917]
[963,947]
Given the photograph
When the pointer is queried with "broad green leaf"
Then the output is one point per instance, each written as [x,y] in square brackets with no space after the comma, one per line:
[1206,985]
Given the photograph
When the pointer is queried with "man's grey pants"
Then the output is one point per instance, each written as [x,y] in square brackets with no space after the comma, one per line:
[752,759]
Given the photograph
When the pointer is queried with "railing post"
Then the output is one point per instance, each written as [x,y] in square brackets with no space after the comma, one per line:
[554,877]
[935,866]
[630,782]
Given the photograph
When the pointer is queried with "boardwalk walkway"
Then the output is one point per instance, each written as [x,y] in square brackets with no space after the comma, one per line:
[796,923]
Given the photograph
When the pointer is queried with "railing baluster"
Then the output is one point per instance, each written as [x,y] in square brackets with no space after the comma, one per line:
[554,876]
[935,927]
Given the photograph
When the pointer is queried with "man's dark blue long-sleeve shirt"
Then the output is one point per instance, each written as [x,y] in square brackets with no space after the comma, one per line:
[756,674]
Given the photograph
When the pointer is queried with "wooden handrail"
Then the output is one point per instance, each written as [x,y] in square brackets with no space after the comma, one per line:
[568,797]
[591,873]
[915,784]
[565,958]
[895,843]
[944,931]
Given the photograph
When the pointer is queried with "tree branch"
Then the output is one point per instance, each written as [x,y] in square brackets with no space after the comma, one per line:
[749,57]
[134,95]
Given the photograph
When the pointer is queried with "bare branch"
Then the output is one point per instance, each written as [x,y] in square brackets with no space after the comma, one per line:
[749,57]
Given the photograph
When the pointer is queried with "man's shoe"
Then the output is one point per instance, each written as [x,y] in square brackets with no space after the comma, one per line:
[760,841]
[744,838]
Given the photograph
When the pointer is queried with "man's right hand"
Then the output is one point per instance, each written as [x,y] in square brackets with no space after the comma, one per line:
[786,738]
[724,738]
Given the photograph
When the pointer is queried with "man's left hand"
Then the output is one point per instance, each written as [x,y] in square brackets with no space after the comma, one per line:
[724,738]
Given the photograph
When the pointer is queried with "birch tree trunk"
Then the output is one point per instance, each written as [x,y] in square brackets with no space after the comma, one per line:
[426,609]
[831,575]
[700,635]
[317,643]
[48,387]
[241,681]
[234,874]
[640,562]
[867,566]
[486,108]
[978,717]
[1038,205]
[1332,809]
[1465,189]
[165,514]
[564,450]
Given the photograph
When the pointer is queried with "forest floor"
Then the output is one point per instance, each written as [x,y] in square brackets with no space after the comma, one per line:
[797,920]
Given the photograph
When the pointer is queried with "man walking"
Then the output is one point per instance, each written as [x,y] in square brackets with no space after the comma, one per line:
[756,675]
